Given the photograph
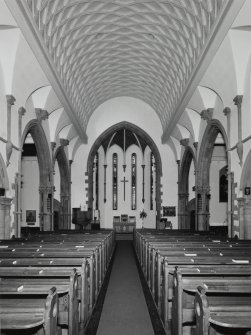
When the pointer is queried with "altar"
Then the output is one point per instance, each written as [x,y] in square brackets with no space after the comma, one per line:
[124,223]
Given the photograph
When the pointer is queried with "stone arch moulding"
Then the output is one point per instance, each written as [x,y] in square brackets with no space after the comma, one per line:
[137,130]
[183,192]
[246,173]
[65,192]
[35,128]
[4,180]
[212,130]
[244,202]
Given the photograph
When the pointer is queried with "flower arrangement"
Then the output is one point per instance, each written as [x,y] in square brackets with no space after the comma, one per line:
[142,214]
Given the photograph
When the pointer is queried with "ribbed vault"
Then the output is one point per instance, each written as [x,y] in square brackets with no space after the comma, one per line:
[143,49]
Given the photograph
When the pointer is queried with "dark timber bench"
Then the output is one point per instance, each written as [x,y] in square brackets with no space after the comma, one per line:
[223,309]
[185,288]
[52,258]
[35,314]
[67,290]
[200,255]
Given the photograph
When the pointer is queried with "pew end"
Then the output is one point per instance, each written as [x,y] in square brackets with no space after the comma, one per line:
[224,319]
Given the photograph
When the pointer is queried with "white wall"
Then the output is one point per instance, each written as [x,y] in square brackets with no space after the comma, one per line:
[218,210]
[30,194]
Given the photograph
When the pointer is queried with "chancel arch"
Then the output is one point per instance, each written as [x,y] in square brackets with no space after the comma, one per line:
[186,214]
[62,183]
[36,183]
[211,212]
[132,174]
[5,202]
[245,201]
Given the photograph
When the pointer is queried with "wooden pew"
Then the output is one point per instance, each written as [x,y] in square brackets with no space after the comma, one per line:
[30,314]
[91,279]
[67,290]
[54,256]
[185,287]
[228,313]
[159,255]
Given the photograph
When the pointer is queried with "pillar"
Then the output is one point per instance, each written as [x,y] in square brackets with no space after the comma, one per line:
[5,205]
[238,102]
[45,214]
[183,213]
[203,197]
[9,146]
[227,113]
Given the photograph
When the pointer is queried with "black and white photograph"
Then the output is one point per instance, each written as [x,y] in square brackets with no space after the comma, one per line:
[125,167]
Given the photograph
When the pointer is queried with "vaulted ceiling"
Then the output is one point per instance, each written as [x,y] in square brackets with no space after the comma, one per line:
[138,48]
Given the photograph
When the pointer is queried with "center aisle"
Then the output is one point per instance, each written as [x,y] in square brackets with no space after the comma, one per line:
[125,311]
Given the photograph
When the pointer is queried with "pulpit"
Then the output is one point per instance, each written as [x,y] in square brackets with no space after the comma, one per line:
[124,223]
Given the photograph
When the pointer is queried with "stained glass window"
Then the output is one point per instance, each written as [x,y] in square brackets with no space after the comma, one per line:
[96,163]
[115,181]
[134,181]
[152,163]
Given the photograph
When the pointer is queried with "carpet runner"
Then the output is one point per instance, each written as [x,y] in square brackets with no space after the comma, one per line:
[125,311]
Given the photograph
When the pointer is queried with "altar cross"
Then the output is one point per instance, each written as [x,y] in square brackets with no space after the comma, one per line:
[124,181]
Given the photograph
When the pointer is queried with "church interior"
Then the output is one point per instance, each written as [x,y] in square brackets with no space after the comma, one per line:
[125,167]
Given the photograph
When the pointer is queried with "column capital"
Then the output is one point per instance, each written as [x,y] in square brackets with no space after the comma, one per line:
[41,114]
[184,142]
[241,201]
[64,142]
[21,111]
[195,144]
[203,189]
[70,161]
[10,99]
[53,145]
[227,111]
[238,100]
[183,195]
[178,161]
[207,114]
[45,189]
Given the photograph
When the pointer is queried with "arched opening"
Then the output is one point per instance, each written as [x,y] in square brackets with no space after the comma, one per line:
[62,210]
[133,147]
[36,181]
[186,215]
[5,202]
[212,164]
[244,229]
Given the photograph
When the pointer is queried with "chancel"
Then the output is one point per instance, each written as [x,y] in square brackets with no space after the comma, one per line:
[125,167]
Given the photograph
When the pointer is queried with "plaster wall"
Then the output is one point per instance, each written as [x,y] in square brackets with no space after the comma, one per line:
[30,194]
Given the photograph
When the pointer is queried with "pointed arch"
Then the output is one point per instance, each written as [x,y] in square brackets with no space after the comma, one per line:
[65,192]
[35,129]
[188,157]
[214,127]
[4,180]
[140,132]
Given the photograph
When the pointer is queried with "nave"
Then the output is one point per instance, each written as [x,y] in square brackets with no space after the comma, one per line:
[52,283]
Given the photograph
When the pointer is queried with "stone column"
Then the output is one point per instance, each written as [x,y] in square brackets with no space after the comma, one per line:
[5,205]
[53,146]
[203,197]
[238,102]
[182,212]
[65,211]
[9,146]
[70,210]
[244,211]
[241,212]
[227,112]
[18,180]
[64,198]
[45,214]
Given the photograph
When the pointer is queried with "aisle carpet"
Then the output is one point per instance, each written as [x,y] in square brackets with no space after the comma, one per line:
[125,311]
